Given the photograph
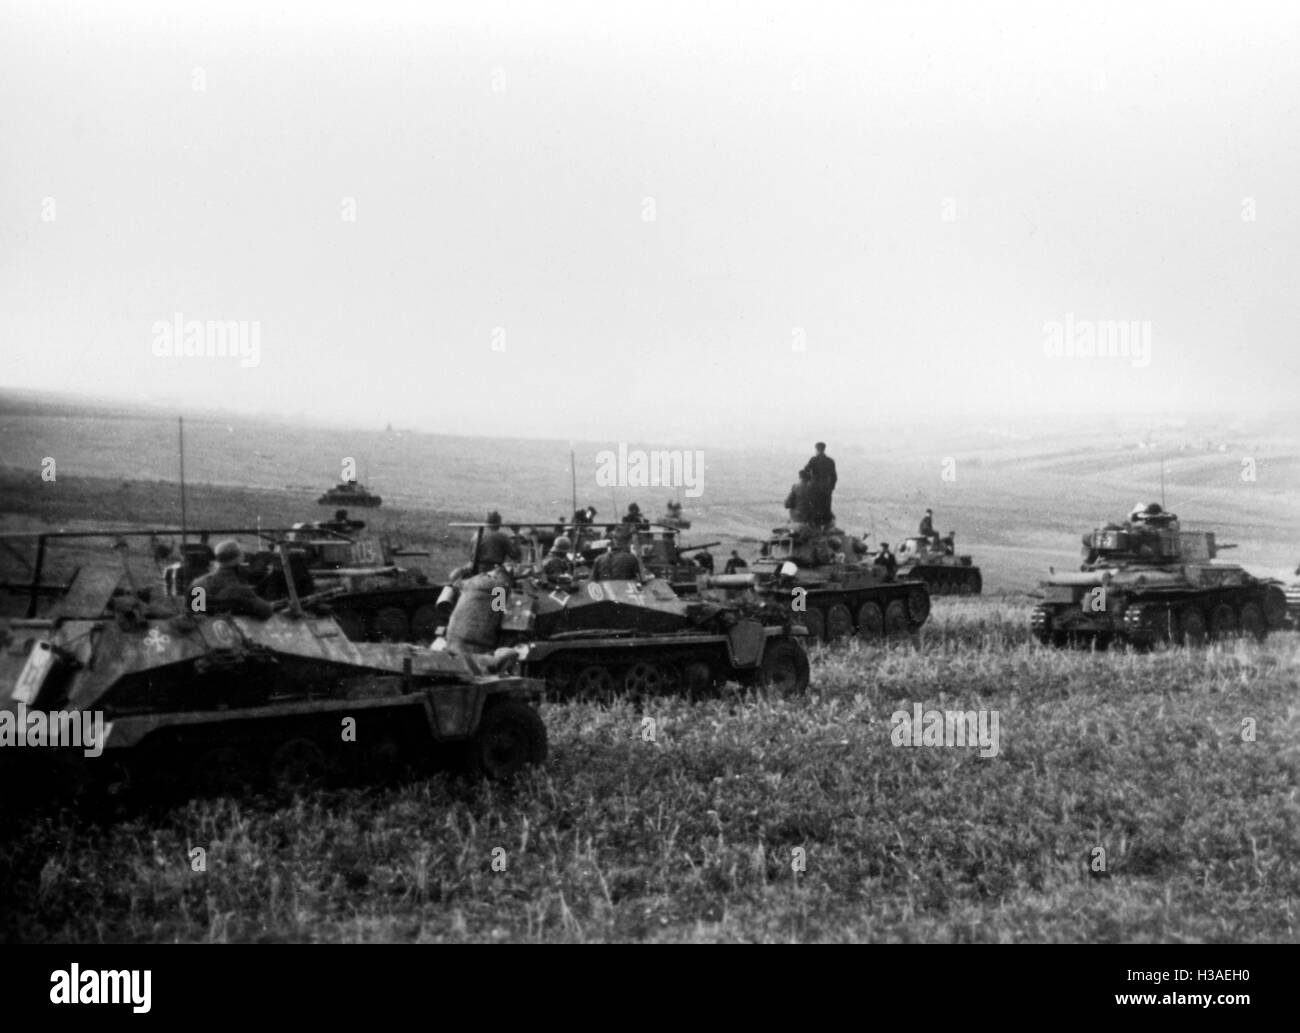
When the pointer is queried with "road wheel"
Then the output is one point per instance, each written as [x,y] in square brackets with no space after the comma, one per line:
[223,771]
[918,605]
[390,625]
[1253,622]
[871,621]
[510,738]
[815,621]
[1191,624]
[593,682]
[297,766]
[424,623]
[558,678]
[1223,622]
[896,625]
[784,668]
[643,679]
[839,622]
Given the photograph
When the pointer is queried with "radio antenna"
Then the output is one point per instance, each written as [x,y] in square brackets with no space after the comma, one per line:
[1162,482]
[181,421]
[573,481]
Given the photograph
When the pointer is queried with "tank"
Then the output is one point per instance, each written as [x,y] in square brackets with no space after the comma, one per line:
[1148,582]
[593,639]
[148,694]
[939,566]
[378,600]
[822,578]
[350,493]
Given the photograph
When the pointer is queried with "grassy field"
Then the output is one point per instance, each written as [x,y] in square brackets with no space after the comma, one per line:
[1181,766]
[694,836]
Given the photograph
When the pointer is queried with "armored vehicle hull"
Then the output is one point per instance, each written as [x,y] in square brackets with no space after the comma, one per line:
[349,494]
[593,639]
[1150,584]
[944,572]
[221,702]
[833,596]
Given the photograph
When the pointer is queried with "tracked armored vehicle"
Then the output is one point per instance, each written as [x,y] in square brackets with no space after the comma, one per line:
[377,599]
[938,566]
[1148,582]
[222,702]
[592,639]
[820,577]
[350,493]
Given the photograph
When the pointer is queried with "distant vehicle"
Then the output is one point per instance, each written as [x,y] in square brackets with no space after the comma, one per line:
[938,566]
[349,493]
[1148,582]
[224,703]
[1293,603]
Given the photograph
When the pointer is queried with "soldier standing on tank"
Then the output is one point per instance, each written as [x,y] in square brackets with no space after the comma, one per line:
[224,590]
[927,528]
[618,564]
[798,501]
[495,547]
[633,515]
[821,471]
[735,563]
[705,559]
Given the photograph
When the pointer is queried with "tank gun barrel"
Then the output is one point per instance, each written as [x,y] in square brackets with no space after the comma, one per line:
[730,580]
[692,548]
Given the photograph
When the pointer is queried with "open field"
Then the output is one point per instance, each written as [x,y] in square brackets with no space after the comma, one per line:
[1183,766]
[693,836]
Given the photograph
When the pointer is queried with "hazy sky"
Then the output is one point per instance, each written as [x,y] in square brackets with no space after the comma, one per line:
[690,220]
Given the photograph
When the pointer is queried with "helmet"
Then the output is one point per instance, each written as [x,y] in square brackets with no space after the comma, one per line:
[561,544]
[633,508]
[229,554]
[494,519]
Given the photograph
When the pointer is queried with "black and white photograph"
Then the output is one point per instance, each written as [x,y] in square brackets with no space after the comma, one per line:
[650,473]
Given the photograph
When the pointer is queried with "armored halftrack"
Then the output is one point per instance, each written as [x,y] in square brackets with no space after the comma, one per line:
[221,702]
[1148,582]
[593,638]
[939,566]
[820,577]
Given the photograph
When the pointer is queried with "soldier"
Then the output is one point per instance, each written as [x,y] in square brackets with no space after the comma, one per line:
[495,547]
[886,559]
[705,559]
[633,515]
[821,471]
[797,502]
[618,564]
[734,564]
[223,589]
[927,527]
[558,562]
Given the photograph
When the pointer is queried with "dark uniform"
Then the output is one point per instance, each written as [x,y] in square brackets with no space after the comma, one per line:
[798,501]
[225,592]
[887,560]
[734,564]
[494,548]
[557,566]
[705,559]
[619,565]
[927,528]
[822,478]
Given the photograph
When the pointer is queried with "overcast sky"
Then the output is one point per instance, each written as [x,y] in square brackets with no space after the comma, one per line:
[688,221]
